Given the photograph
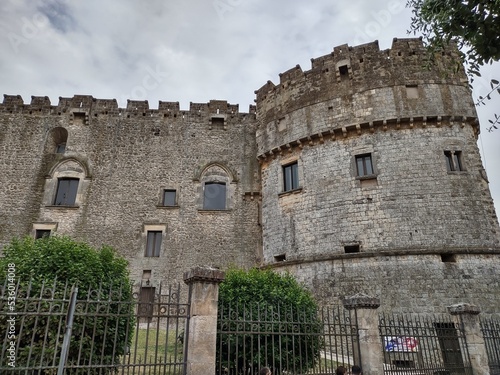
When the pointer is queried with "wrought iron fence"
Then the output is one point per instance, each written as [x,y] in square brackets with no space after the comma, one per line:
[423,345]
[490,328]
[143,334]
[285,339]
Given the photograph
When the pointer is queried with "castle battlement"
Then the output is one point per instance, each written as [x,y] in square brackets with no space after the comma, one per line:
[347,70]
[94,107]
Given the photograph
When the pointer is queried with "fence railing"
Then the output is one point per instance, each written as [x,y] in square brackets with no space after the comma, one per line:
[285,340]
[490,328]
[143,334]
[423,345]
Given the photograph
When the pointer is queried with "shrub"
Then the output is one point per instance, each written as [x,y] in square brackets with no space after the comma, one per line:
[45,271]
[266,319]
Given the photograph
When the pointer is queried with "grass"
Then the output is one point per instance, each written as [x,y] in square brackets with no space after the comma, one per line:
[154,352]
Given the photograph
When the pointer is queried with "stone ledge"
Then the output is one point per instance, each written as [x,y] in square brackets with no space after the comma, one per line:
[463,308]
[362,301]
[205,274]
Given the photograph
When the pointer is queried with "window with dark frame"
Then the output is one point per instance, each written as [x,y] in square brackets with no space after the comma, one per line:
[66,191]
[291,176]
[364,165]
[214,196]
[169,198]
[453,161]
[153,243]
[42,233]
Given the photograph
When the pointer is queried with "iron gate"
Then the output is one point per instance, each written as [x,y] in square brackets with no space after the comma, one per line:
[423,345]
[144,335]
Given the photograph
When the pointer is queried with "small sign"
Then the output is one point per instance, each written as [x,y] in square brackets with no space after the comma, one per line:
[400,344]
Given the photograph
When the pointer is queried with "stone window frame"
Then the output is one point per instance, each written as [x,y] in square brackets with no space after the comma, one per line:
[359,152]
[284,163]
[224,176]
[44,226]
[294,176]
[454,160]
[363,171]
[161,201]
[150,228]
[64,170]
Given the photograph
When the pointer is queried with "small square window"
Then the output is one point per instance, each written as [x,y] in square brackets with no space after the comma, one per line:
[349,249]
[218,122]
[448,258]
[169,198]
[66,191]
[290,177]
[42,233]
[280,258]
[343,70]
[364,165]
[153,244]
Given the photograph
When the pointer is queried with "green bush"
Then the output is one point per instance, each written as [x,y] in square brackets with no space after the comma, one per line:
[266,319]
[45,271]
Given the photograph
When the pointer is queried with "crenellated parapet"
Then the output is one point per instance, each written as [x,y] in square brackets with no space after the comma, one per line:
[354,86]
[93,107]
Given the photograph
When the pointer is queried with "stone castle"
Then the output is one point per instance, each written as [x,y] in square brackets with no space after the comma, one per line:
[360,175]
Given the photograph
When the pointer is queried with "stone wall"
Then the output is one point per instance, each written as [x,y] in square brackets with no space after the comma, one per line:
[124,159]
[414,232]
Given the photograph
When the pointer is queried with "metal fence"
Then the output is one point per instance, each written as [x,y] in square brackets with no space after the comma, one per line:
[423,345]
[490,328]
[45,328]
[285,339]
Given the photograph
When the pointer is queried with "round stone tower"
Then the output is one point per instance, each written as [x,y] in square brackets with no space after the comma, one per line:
[372,181]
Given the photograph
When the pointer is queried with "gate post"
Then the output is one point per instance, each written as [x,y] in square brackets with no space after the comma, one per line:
[202,330]
[370,356]
[469,320]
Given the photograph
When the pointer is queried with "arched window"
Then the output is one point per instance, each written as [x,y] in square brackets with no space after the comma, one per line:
[56,142]
[66,183]
[216,189]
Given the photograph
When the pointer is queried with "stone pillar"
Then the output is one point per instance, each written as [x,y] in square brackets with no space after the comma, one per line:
[370,357]
[202,330]
[469,319]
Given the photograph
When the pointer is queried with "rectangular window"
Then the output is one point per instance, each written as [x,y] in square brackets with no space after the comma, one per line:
[66,191]
[169,197]
[449,161]
[41,233]
[153,244]
[457,160]
[290,177]
[364,165]
[214,196]
[453,161]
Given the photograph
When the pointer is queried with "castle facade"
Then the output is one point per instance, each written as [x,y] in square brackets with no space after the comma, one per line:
[360,175]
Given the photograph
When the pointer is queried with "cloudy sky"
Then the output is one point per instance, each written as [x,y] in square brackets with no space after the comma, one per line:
[192,50]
